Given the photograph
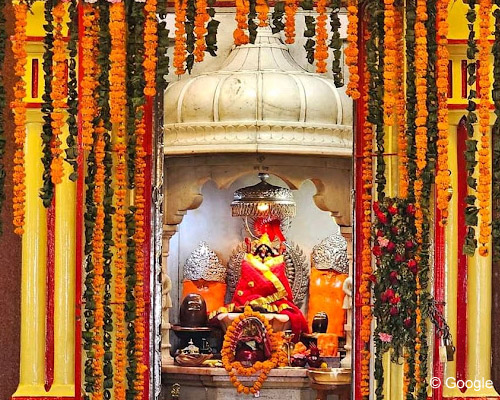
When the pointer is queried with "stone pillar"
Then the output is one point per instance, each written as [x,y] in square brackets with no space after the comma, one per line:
[166,358]
[346,362]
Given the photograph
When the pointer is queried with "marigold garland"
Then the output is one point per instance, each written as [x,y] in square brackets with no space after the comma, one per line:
[139,239]
[242,10]
[150,47]
[366,258]
[390,87]
[262,9]
[235,368]
[351,51]
[200,29]
[321,50]
[291,7]
[89,73]
[58,93]
[400,109]
[443,179]
[180,37]
[3,103]
[19,109]
[118,102]
[484,181]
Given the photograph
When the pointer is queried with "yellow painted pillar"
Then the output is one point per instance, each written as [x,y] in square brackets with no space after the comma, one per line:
[33,278]
[64,287]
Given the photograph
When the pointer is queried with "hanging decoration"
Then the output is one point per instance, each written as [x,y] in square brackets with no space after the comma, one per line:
[235,368]
[321,51]
[336,44]
[484,181]
[58,93]
[291,7]
[351,51]
[47,189]
[242,10]
[262,10]
[496,140]
[390,87]
[180,39]
[471,210]
[200,23]
[19,109]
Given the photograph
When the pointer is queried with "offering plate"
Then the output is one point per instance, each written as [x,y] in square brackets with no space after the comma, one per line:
[279,322]
[329,376]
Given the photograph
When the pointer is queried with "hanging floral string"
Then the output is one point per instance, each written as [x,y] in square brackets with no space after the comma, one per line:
[242,10]
[252,17]
[336,44]
[19,109]
[3,104]
[47,189]
[400,109]
[443,180]
[72,139]
[118,102]
[190,36]
[351,51]
[484,182]
[150,47]
[291,7]
[321,51]
[496,140]
[89,73]
[180,38]
[366,257]
[139,240]
[471,211]
[277,17]
[390,56]
[262,10]
[200,29]
[58,94]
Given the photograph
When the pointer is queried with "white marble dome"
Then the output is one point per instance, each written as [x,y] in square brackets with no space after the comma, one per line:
[260,100]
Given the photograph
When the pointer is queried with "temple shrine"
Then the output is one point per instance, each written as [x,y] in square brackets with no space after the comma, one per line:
[250,199]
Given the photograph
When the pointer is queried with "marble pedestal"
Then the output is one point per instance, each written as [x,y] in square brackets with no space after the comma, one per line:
[213,384]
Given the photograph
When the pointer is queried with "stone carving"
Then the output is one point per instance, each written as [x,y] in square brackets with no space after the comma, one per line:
[331,253]
[297,271]
[204,264]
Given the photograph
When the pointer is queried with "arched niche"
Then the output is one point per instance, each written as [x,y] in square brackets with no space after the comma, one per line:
[185,178]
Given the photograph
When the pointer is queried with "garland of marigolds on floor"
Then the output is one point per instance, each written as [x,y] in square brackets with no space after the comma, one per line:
[235,368]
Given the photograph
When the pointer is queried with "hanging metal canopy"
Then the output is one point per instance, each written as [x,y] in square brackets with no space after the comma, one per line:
[264,200]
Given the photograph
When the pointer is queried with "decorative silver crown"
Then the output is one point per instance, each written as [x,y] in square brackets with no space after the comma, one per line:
[203,263]
[331,253]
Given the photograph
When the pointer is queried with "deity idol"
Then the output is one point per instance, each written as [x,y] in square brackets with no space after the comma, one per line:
[264,286]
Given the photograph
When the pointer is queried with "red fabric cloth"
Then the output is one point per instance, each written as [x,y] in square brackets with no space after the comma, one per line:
[254,284]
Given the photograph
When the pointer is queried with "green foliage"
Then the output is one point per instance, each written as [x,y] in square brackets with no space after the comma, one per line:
[336,44]
[277,17]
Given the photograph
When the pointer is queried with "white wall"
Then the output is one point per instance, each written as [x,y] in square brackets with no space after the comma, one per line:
[212,222]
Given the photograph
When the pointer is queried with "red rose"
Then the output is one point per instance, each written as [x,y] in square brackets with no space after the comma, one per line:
[412,265]
[395,230]
[394,311]
[382,218]
[380,233]
[377,251]
[395,300]
[393,274]
[409,244]
[383,297]
[399,257]
[391,246]
[372,278]
[375,206]
[392,210]
[407,322]
[410,209]
[389,293]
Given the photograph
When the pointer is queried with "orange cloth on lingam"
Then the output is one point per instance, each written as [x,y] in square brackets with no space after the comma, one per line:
[326,294]
[328,344]
[264,284]
[212,292]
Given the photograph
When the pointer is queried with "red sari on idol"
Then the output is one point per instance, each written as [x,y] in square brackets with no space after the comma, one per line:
[263,284]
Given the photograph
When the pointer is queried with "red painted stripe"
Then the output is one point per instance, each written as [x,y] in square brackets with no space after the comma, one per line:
[41,38]
[49,313]
[79,227]
[439,293]
[148,148]
[464,106]
[477,77]
[34,78]
[463,68]
[41,398]
[358,214]
[450,79]
[464,41]
[461,339]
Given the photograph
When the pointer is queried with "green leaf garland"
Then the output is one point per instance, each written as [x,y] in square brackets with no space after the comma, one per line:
[190,36]
[212,27]
[277,17]
[471,210]
[336,44]
[252,26]
[47,189]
